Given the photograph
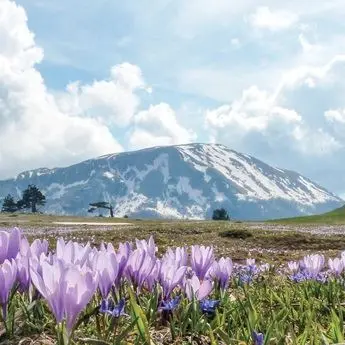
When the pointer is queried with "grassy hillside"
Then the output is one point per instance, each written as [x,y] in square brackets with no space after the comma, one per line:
[334,217]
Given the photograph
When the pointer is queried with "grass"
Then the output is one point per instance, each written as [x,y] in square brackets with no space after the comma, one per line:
[238,240]
[335,217]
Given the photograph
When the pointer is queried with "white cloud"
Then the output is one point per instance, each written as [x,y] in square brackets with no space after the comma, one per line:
[335,116]
[34,129]
[159,126]
[277,20]
[113,101]
[262,119]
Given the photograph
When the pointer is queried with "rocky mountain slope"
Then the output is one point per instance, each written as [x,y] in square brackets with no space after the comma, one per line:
[186,181]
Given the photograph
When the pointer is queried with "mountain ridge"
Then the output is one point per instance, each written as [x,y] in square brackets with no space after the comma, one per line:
[179,181]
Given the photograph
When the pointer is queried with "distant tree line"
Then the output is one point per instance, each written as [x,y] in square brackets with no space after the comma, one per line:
[32,197]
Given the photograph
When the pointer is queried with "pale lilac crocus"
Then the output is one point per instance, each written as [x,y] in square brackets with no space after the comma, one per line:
[148,246]
[139,266]
[336,266]
[106,266]
[9,244]
[179,255]
[293,266]
[221,271]
[8,275]
[313,264]
[202,259]
[122,256]
[170,276]
[194,287]
[74,253]
[81,285]
[67,288]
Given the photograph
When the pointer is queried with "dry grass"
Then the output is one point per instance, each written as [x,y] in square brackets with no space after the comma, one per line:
[237,240]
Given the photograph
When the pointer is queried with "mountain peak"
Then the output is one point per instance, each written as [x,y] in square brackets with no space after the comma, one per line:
[181,181]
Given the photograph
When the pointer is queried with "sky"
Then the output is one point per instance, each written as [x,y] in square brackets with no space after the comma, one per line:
[82,78]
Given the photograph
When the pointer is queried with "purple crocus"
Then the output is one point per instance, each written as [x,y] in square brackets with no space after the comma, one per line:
[80,287]
[140,266]
[194,287]
[170,276]
[9,244]
[336,266]
[202,259]
[74,252]
[179,256]
[67,288]
[122,257]
[313,264]
[221,271]
[147,246]
[8,275]
[293,266]
[106,266]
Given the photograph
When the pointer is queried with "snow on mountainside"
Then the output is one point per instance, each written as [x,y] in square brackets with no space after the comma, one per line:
[186,181]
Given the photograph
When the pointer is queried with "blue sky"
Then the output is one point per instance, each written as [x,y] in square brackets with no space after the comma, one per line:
[265,78]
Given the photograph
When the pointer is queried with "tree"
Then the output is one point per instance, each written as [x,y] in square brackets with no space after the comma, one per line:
[9,205]
[32,197]
[102,204]
[220,214]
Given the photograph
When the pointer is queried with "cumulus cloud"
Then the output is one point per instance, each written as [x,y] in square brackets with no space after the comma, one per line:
[159,126]
[277,20]
[43,128]
[39,128]
[112,101]
[278,122]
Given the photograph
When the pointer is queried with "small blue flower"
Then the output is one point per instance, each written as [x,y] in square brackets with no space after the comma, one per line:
[171,304]
[258,338]
[109,307]
[209,306]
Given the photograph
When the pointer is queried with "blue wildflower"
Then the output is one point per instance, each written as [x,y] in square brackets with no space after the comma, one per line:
[258,338]
[171,304]
[208,306]
[109,307]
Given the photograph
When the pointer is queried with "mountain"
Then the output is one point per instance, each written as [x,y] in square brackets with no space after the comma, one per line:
[185,181]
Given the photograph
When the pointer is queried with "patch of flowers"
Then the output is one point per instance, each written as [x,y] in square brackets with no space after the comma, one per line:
[81,294]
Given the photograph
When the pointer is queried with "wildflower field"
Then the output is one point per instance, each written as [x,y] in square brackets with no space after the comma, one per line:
[91,287]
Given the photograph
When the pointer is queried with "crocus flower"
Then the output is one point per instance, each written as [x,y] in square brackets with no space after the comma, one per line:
[73,252]
[108,307]
[8,275]
[80,287]
[258,338]
[122,257]
[139,267]
[66,287]
[106,266]
[293,266]
[221,271]
[202,259]
[170,305]
[336,266]
[23,272]
[193,287]
[148,246]
[170,276]
[9,244]
[313,264]
[208,306]
[179,256]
